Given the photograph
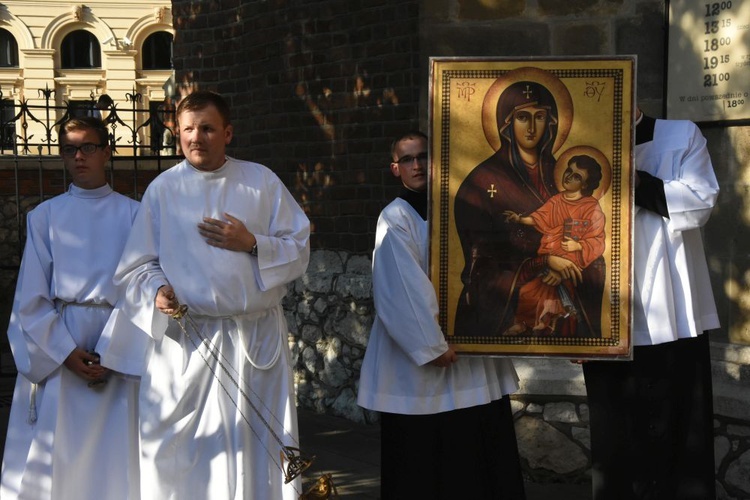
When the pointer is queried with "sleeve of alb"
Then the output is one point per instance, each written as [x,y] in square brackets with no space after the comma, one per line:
[404,297]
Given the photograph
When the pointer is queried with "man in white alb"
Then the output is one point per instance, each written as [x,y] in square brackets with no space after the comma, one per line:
[223,237]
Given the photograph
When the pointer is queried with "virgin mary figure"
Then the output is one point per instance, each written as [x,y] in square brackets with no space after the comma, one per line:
[498,257]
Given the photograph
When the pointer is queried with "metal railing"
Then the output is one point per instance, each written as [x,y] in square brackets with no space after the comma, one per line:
[30,127]
[142,140]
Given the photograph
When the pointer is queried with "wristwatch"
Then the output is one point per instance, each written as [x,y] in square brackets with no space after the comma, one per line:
[254,250]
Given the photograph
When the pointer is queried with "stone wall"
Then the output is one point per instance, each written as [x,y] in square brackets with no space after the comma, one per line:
[554,443]
[552,420]
[330,311]
[10,252]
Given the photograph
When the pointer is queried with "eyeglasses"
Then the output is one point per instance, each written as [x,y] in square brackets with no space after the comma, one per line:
[87,148]
[409,159]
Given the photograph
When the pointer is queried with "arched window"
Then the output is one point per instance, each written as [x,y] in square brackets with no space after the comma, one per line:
[157,51]
[80,49]
[8,50]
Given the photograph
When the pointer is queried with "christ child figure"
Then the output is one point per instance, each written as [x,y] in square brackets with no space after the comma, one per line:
[572,227]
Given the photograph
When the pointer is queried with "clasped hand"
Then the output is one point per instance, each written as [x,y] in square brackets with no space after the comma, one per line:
[85,365]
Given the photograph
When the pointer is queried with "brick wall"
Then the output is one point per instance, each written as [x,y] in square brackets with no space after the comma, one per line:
[317,91]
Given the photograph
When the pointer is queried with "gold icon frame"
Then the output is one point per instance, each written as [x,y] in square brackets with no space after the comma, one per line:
[592,115]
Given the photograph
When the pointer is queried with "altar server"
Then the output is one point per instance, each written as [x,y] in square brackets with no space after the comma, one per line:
[652,417]
[446,423]
[72,431]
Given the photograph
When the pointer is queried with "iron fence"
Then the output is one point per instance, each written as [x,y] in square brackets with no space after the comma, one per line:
[142,140]
[29,127]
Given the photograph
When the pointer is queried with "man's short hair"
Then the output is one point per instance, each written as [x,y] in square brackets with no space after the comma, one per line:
[412,134]
[201,99]
[84,123]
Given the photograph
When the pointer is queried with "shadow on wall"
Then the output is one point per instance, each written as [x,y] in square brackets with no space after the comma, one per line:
[340,116]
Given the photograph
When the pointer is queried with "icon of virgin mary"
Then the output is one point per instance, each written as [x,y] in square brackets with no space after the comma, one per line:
[526,126]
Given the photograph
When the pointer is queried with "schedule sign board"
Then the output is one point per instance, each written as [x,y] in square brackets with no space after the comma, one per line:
[708,76]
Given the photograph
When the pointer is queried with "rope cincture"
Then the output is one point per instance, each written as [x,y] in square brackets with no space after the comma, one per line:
[292,462]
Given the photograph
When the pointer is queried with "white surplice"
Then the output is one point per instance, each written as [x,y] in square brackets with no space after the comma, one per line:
[405,336]
[200,436]
[67,440]
[673,297]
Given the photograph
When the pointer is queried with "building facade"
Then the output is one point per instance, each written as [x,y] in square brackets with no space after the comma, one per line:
[80,56]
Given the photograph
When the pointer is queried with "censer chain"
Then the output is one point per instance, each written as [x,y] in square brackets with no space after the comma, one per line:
[296,464]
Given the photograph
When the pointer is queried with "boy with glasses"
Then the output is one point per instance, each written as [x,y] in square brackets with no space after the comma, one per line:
[71,431]
[446,423]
